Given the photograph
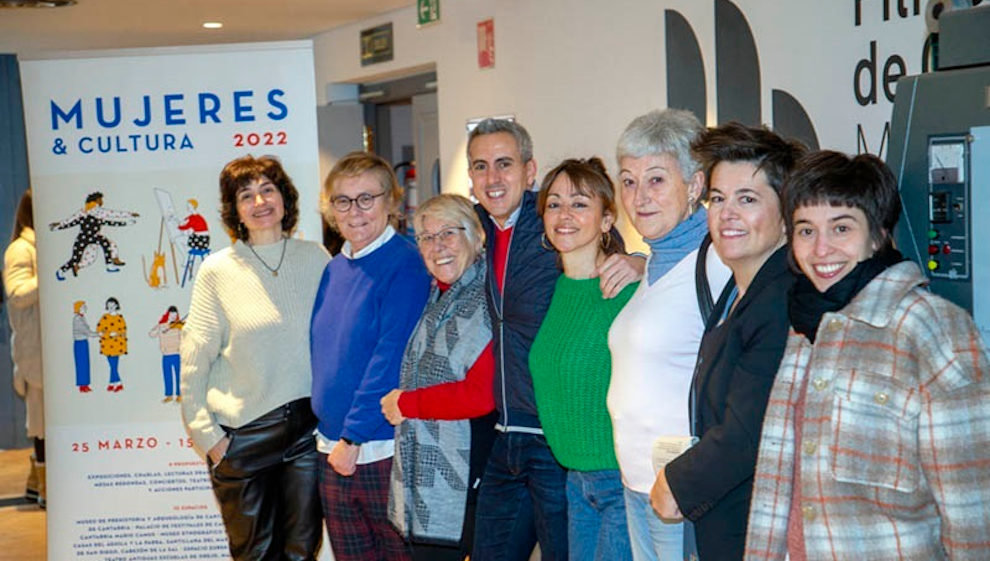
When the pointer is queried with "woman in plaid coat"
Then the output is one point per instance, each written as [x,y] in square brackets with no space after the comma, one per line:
[876,440]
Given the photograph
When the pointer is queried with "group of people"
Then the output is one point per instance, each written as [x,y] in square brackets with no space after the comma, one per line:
[771,381]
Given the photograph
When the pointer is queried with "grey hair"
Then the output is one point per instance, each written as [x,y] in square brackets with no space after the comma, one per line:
[518,132]
[456,209]
[669,131]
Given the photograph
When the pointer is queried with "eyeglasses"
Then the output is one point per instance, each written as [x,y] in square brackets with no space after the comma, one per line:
[443,236]
[364,201]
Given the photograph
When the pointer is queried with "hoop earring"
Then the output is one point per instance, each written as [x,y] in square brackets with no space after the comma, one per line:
[606,240]
[546,243]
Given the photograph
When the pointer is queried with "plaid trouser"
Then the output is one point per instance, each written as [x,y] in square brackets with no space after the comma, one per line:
[356,512]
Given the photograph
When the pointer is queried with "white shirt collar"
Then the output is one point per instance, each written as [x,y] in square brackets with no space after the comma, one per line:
[381,240]
[510,221]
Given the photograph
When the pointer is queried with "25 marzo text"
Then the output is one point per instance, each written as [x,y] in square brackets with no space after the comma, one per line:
[129,443]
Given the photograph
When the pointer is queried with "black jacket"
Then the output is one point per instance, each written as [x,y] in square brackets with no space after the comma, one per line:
[737,362]
[530,276]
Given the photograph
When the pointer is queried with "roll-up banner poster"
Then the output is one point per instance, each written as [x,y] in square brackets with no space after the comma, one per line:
[125,152]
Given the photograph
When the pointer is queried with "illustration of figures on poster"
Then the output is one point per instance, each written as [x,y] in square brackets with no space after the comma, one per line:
[183,242]
[81,334]
[111,330]
[113,341]
[191,235]
[168,331]
[90,238]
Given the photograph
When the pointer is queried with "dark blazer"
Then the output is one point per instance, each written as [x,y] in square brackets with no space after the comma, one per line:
[530,276]
[737,362]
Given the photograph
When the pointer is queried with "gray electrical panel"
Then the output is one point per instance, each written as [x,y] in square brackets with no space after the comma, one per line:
[940,153]
[980,231]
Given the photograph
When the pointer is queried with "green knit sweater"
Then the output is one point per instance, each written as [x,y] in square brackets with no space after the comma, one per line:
[571,368]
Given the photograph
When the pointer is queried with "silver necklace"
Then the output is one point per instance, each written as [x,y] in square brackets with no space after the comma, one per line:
[277,267]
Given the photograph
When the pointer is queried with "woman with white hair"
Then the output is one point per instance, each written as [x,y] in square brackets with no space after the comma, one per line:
[654,339]
[443,406]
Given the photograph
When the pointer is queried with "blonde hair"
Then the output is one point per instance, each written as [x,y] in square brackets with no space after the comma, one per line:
[77,305]
[353,165]
[456,209]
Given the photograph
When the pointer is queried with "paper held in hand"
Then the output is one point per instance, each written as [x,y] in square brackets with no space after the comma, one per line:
[666,448]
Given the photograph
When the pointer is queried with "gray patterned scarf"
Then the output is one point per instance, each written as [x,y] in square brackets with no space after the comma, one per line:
[430,470]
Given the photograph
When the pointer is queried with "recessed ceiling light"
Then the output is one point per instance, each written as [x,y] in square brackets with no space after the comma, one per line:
[35,3]
[212,24]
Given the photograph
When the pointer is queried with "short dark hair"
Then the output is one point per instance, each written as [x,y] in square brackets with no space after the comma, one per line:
[771,153]
[242,171]
[590,179]
[116,302]
[833,178]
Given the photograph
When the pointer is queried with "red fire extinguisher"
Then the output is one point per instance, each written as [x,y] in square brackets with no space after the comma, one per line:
[412,197]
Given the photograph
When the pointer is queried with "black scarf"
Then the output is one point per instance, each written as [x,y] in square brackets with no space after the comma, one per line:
[806,305]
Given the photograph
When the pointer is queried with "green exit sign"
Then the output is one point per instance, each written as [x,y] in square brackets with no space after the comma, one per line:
[427,12]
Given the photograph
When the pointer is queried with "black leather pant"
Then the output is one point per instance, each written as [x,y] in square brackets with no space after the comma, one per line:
[266,485]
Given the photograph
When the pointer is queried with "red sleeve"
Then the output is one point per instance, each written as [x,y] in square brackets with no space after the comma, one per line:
[194,222]
[471,397]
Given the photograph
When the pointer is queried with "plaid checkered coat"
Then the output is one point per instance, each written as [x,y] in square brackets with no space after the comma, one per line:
[895,454]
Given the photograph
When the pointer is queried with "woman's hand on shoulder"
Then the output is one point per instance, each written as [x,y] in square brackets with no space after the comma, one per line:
[619,271]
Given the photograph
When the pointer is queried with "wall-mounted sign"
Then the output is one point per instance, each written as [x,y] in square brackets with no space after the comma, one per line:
[377,44]
[427,12]
[486,44]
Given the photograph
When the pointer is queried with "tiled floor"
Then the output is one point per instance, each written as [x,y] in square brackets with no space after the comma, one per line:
[22,524]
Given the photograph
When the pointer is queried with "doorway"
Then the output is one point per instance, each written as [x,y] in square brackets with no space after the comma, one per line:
[396,119]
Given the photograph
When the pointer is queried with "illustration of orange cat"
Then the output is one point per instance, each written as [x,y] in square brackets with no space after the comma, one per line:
[156,276]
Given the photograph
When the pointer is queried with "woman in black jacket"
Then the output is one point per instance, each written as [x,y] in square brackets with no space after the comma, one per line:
[711,483]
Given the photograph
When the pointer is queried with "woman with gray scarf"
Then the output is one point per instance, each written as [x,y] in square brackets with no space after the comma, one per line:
[442,408]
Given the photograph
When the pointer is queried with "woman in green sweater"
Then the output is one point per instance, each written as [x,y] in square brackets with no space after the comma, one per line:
[570,360]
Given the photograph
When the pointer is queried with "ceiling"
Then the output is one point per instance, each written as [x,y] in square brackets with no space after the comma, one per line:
[106,24]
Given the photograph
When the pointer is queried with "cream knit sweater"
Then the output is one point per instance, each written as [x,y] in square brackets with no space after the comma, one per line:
[245,346]
[20,276]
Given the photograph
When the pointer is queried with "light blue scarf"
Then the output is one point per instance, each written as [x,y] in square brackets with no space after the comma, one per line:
[670,249]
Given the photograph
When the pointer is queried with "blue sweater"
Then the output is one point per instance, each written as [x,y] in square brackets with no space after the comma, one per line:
[365,310]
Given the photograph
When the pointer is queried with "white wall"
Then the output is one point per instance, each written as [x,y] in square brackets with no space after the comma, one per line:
[575,72]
